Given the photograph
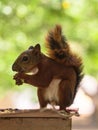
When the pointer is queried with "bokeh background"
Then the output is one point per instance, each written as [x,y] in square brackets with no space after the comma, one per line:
[26,22]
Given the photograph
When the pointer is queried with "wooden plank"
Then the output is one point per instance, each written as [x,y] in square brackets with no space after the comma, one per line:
[34,120]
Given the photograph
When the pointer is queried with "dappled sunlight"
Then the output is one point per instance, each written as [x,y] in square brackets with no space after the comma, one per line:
[7,10]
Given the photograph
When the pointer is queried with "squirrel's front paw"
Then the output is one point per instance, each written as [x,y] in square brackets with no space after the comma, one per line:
[18,80]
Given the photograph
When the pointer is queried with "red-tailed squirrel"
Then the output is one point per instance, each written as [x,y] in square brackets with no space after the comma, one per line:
[57,76]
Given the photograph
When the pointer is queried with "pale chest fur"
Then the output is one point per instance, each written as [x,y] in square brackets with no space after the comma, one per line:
[51,93]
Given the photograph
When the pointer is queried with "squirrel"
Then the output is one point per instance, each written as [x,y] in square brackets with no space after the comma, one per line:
[57,75]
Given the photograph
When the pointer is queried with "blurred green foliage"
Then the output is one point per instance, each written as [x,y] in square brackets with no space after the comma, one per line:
[26,22]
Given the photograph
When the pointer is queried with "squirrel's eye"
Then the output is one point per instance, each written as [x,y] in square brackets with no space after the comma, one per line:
[25,58]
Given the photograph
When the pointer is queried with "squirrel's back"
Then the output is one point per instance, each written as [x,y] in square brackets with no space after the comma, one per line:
[59,50]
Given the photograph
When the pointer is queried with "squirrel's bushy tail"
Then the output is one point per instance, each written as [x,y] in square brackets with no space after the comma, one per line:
[59,50]
[57,45]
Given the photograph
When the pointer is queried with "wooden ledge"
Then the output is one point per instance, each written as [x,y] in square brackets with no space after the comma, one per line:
[33,120]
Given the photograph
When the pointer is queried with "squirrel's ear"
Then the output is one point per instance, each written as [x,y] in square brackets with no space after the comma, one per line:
[37,47]
[31,47]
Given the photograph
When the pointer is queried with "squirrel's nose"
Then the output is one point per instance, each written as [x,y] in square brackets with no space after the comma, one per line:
[14,67]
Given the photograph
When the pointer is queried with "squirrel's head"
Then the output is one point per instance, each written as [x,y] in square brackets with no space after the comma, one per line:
[27,60]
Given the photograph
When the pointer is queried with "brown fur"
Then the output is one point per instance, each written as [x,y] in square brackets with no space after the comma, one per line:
[61,65]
